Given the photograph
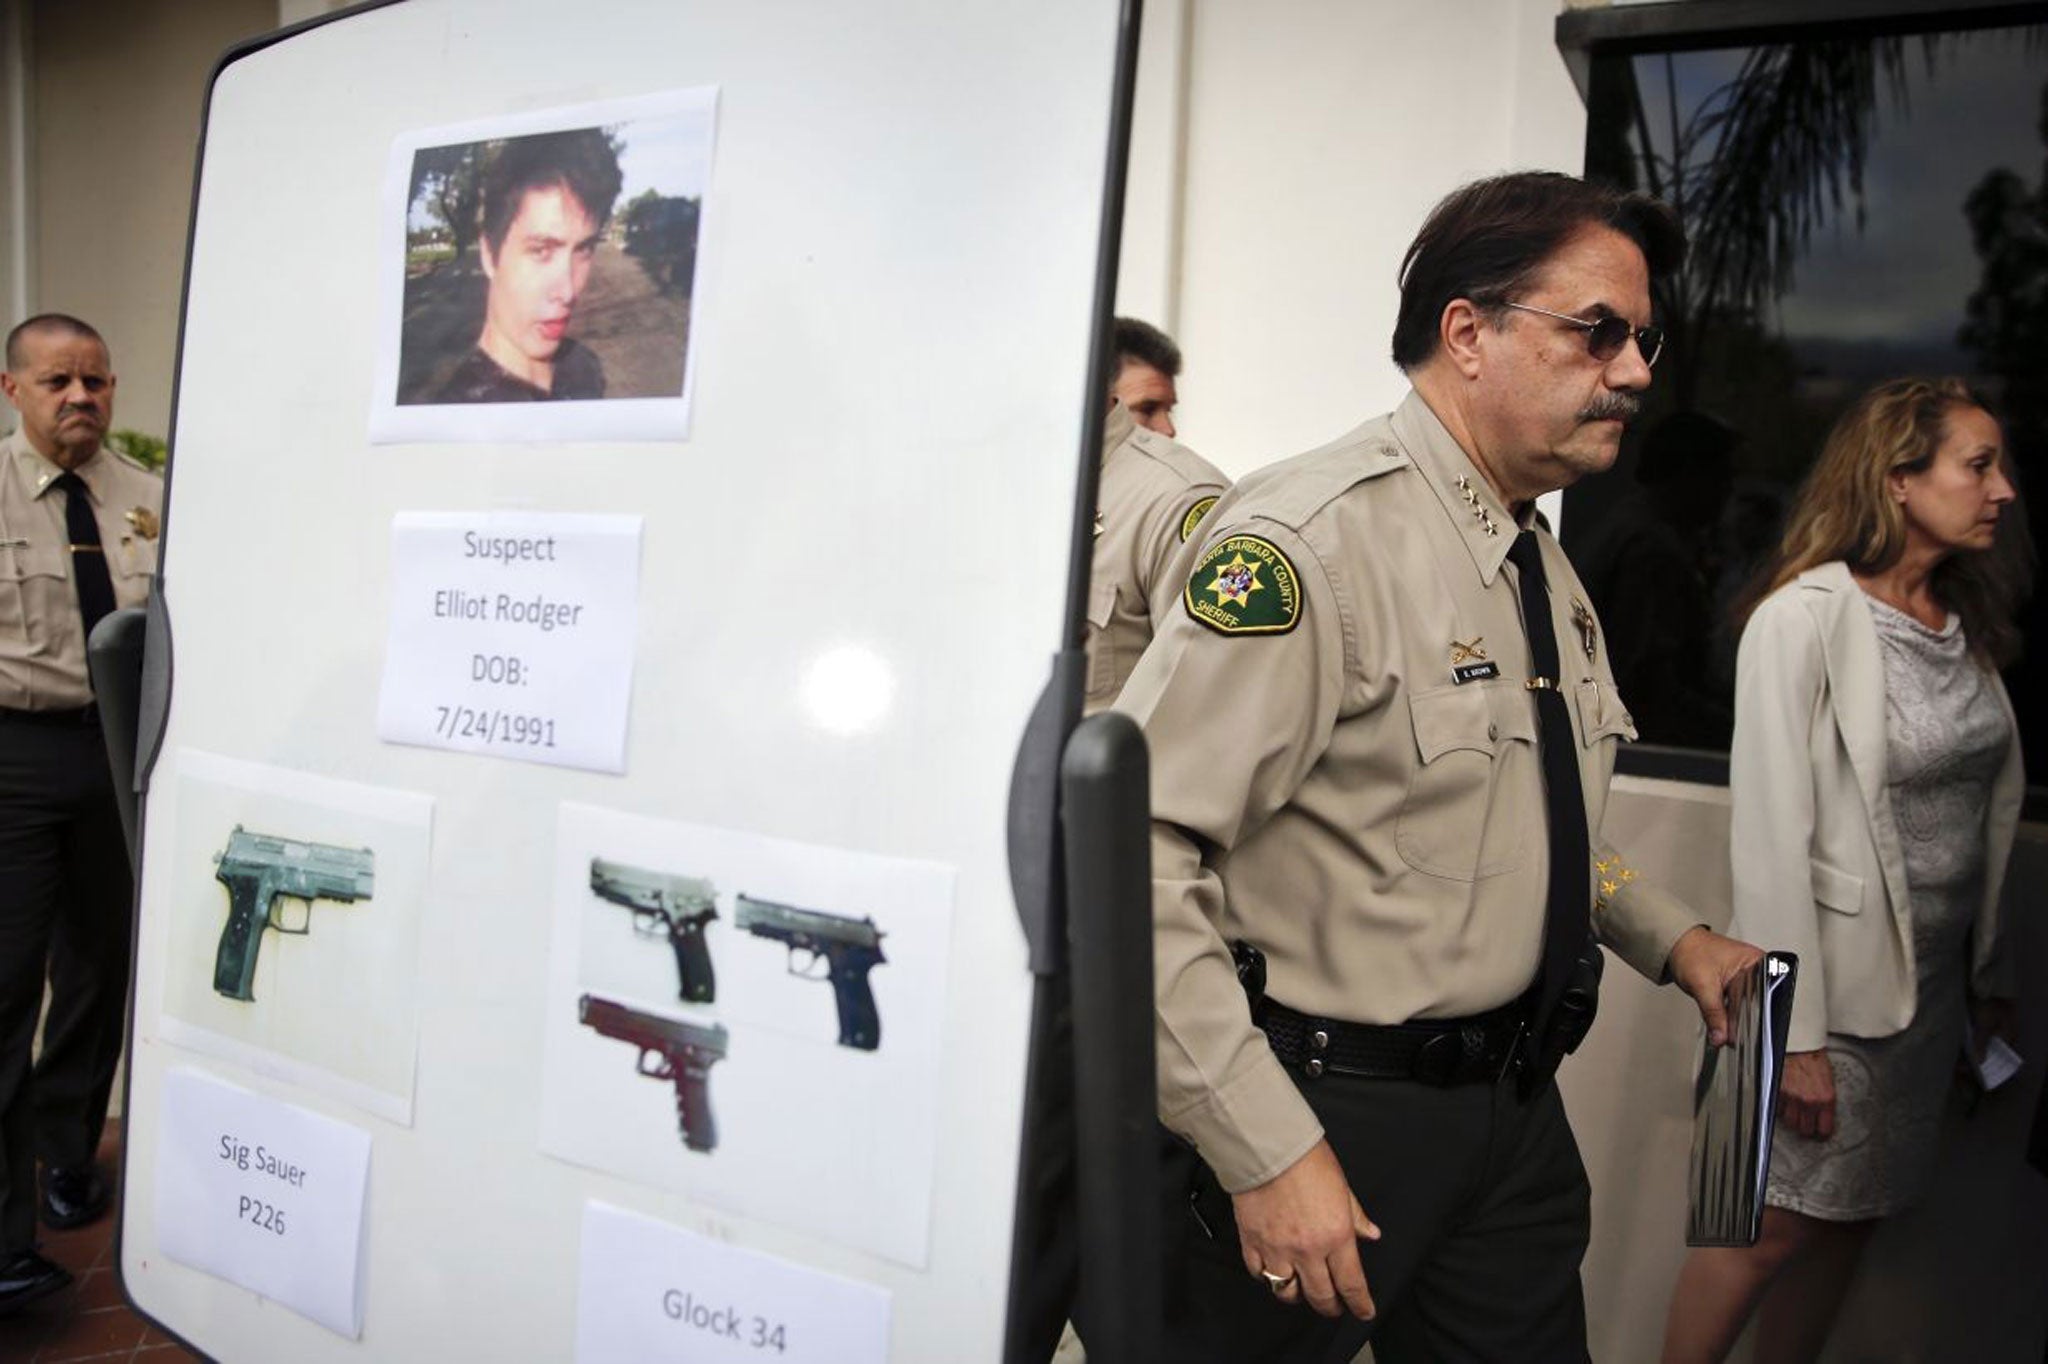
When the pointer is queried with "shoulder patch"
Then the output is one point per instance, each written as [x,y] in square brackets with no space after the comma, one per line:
[1244,585]
[1194,517]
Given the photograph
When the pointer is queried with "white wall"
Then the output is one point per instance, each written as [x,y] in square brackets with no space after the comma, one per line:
[1317,136]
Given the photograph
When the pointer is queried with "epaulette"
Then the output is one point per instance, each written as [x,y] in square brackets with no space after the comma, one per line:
[1294,490]
[1185,464]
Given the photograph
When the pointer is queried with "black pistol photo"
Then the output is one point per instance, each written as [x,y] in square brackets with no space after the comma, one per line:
[848,947]
[678,906]
[257,869]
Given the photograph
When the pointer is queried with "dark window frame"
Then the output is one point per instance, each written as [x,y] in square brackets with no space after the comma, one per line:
[1695,25]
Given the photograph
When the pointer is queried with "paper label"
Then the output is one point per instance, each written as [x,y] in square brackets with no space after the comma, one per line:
[513,634]
[263,1194]
[653,1291]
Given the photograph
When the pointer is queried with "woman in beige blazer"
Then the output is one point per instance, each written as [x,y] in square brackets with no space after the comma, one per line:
[1875,784]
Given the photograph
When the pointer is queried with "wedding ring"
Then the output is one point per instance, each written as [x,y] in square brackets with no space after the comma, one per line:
[1279,1282]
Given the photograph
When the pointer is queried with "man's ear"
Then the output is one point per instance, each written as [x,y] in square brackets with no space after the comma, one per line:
[10,388]
[1459,333]
[483,255]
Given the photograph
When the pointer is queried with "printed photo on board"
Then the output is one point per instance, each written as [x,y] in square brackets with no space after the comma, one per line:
[718,999]
[545,276]
[293,936]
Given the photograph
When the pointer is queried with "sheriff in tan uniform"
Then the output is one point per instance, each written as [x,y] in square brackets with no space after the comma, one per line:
[78,531]
[1153,495]
[42,642]
[1347,777]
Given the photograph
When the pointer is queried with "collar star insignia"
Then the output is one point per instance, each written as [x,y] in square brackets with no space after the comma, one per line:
[1235,582]
[1486,520]
[1472,652]
[144,522]
[1098,523]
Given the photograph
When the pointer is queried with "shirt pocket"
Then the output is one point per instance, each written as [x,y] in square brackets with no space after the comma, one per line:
[1103,670]
[1452,823]
[132,562]
[35,592]
[1836,889]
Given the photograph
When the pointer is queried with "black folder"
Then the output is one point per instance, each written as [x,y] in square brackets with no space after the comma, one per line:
[1735,1107]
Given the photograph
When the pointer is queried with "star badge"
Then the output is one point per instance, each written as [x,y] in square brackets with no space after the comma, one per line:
[1235,582]
[144,522]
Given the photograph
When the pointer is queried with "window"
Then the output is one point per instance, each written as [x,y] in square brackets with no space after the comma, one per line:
[1867,197]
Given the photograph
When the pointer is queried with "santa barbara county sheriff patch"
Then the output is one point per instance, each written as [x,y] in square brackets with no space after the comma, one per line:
[1244,586]
[1194,517]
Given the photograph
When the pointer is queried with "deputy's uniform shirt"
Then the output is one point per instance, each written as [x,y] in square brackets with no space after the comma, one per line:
[1153,495]
[1345,773]
[42,636]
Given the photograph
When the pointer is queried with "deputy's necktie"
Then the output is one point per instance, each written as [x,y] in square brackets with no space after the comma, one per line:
[1565,922]
[88,556]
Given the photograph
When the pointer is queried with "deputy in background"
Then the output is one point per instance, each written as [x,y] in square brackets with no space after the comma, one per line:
[1147,368]
[78,533]
[1152,495]
[1376,801]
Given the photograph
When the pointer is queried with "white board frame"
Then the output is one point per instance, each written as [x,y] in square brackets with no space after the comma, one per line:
[892,390]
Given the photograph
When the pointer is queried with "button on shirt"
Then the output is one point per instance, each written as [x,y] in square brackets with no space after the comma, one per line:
[42,638]
[1359,795]
[1153,496]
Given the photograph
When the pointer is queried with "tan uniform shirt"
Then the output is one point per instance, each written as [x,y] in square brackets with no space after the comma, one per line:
[1348,777]
[1153,494]
[42,636]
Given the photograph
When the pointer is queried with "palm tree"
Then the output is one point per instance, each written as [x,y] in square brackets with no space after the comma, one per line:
[1759,164]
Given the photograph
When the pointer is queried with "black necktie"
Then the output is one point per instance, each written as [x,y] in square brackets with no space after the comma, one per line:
[1565,922]
[88,557]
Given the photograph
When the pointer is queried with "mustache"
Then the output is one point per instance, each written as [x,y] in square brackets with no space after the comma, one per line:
[1612,407]
[76,410]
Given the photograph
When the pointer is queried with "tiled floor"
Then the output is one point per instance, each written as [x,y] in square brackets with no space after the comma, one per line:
[89,1320]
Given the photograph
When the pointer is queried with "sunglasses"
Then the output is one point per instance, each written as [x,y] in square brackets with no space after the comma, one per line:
[1606,337]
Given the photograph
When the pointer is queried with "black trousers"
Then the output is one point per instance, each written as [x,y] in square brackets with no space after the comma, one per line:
[65,907]
[1483,1210]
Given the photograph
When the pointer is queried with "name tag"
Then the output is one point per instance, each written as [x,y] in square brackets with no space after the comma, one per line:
[1474,672]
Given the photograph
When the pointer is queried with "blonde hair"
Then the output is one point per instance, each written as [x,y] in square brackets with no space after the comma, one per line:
[1845,511]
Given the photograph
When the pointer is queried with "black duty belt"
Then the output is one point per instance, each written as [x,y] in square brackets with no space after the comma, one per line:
[77,718]
[1435,1051]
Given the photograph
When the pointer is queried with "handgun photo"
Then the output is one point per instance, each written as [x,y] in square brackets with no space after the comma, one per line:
[670,1049]
[257,869]
[679,906]
[849,947]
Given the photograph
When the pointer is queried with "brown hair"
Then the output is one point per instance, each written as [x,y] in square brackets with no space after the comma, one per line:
[1486,241]
[1845,512]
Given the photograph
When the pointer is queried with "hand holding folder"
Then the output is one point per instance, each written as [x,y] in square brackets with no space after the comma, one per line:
[1735,1106]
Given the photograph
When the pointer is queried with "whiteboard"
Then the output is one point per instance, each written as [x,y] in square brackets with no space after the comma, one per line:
[890,328]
